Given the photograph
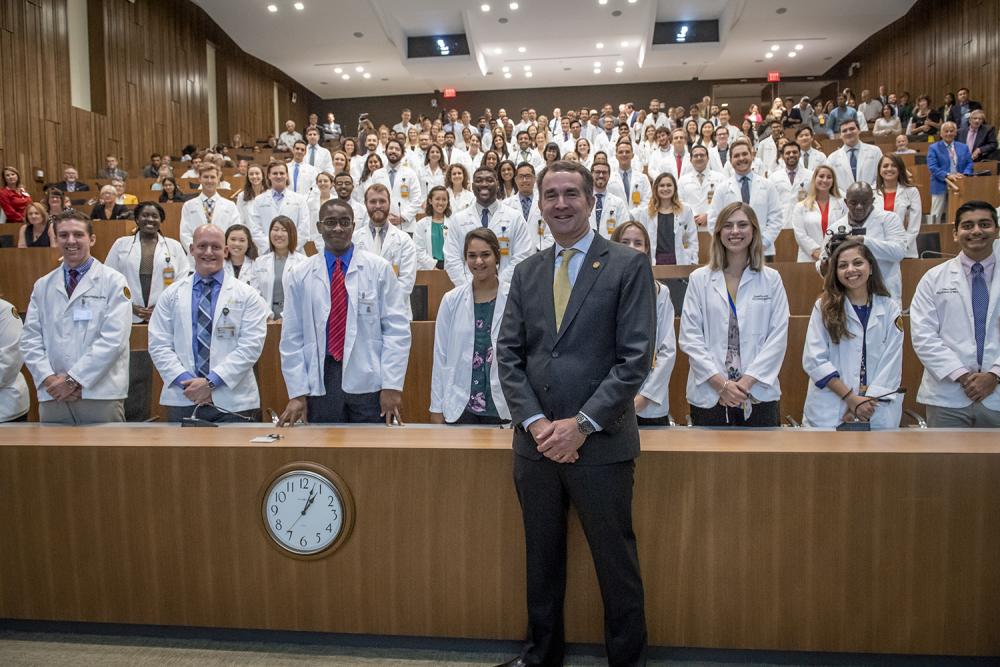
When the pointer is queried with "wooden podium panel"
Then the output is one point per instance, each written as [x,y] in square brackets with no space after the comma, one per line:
[776,540]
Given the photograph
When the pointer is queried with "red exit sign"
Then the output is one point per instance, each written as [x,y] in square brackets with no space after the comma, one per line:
[448,93]
[773,77]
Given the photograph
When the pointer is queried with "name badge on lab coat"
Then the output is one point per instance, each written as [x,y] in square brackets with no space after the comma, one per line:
[82,314]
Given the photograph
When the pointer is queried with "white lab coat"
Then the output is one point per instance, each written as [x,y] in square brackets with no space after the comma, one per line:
[125,256]
[764,200]
[867,168]
[615,212]
[942,329]
[908,208]
[789,193]
[86,336]
[264,275]
[239,311]
[685,233]
[506,222]
[377,338]
[659,161]
[885,237]
[405,207]
[762,312]
[424,242]
[695,194]
[323,161]
[657,384]
[807,223]
[461,201]
[767,153]
[883,345]
[815,157]
[248,272]
[541,238]
[14,398]
[306,180]
[639,186]
[263,210]
[454,335]
[399,250]
[225,214]
[430,179]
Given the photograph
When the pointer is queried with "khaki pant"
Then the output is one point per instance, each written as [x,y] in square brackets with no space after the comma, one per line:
[84,411]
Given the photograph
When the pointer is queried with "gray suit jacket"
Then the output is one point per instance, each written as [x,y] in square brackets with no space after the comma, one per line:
[595,363]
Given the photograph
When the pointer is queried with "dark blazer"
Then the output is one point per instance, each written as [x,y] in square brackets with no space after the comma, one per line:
[61,185]
[119,212]
[955,113]
[985,141]
[595,363]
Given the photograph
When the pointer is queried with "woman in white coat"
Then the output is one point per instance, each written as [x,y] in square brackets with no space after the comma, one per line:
[14,400]
[854,346]
[432,172]
[734,328]
[894,192]
[255,184]
[811,216]
[271,270]
[241,252]
[673,235]
[458,188]
[431,230]
[149,261]
[322,193]
[652,403]
[465,386]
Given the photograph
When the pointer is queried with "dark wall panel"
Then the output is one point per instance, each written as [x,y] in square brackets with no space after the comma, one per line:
[155,93]
[933,50]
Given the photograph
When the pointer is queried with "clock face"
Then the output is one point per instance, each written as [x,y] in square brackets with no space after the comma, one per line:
[304,512]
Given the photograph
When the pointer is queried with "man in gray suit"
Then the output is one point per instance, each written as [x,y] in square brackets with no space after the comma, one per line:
[571,359]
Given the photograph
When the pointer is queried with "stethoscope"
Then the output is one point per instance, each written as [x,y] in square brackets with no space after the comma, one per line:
[161,239]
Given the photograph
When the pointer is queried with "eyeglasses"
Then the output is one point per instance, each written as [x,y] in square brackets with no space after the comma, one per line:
[333,223]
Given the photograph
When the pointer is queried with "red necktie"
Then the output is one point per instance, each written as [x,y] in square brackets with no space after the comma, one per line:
[336,325]
[680,161]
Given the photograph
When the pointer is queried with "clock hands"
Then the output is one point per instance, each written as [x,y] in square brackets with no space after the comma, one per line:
[309,502]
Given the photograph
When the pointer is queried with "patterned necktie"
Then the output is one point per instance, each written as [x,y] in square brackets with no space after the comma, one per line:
[336,324]
[599,208]
[295,178]
[202,356]
[525,207]
[484,219]
[745,189]
[209,208]
[854,163]
[312,155]
[701,178]
[278,198]
[980,306]
[625,181]
[953,157]
[449,155]
[791,178]
[74,280]
[561,286]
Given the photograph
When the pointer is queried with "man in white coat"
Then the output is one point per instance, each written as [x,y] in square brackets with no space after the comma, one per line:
[955,327]
[609,209]
[211,208]
[403,183]
[698,186]
[206,334]
[525,204]
[345,336]
[301,176]
[279,200]
[627,182]
[855,161]
[75,340]
[506,222]
[792,181]
[316,156]
[751,189]
[380,237]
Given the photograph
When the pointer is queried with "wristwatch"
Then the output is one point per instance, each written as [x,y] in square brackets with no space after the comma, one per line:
[584,425]
[72,382]
[211,385]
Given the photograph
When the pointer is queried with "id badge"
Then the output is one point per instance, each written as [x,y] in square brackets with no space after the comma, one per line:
[82,314]
[225,332]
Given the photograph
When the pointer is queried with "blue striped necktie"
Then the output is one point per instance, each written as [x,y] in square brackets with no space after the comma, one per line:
[204,328]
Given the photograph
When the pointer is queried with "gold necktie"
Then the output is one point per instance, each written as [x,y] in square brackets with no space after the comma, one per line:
[561,286]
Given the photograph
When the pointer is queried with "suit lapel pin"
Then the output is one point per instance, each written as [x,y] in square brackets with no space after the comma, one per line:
[597,265]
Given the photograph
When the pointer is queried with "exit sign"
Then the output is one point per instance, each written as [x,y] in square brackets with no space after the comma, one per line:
[773,77]
[449,93]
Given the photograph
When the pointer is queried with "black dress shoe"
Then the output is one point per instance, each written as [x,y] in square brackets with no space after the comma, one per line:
[516,662]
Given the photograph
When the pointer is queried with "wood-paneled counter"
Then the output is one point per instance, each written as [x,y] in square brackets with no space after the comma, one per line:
[784,540]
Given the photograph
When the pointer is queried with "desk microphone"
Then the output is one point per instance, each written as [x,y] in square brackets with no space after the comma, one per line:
[935,253]
[196,421]
[866,426]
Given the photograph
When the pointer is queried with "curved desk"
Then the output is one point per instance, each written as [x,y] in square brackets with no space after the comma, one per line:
[783,540]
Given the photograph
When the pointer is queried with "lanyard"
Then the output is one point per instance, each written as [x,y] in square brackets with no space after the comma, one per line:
[732,304]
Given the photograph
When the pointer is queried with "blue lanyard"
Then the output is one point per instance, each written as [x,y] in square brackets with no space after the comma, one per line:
[732,306]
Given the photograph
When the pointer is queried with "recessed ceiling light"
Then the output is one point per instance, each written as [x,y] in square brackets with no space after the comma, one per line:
[528,75]
[359,69]
[620,63]
[799,47]
[337,70]
[599,45]
[272,8]
[513,6]
[768,55]
[484,7]
[597,64]
[507,75]
[368,75]
[618,70]
[775,47]
[521,49]
[632,2]
[505,68]
[624,45]
[792,54]
[345,77]
[597,71]
[497,51]
[527,68]
[602,2]
[299,6]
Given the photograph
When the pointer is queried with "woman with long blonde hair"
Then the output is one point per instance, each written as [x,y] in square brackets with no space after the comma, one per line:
[822,206]
[669,223]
